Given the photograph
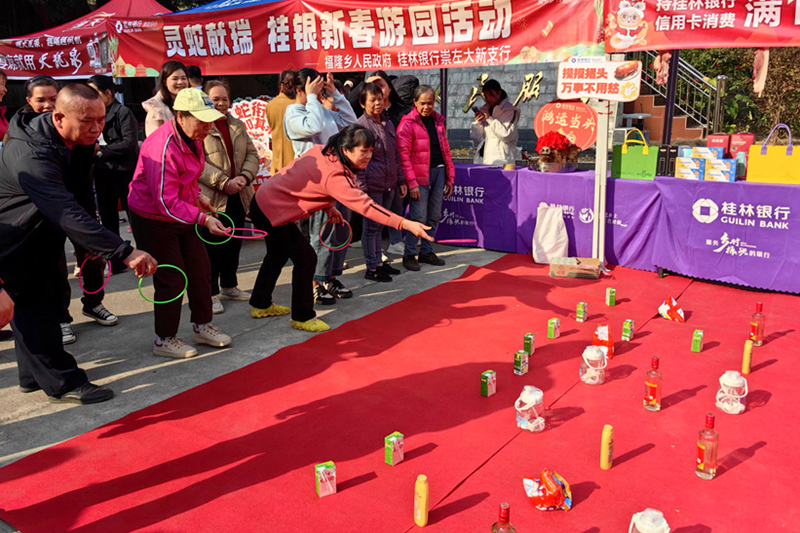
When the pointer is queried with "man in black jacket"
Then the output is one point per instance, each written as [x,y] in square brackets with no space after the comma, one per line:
[36,211]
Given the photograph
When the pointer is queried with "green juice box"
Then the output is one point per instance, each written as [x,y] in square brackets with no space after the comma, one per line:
[393,448]
[325,474]
[529,343]
[553,328]
[488,383]
[521,363]
[697,341]
[627,330]
[582,312]
[611,296]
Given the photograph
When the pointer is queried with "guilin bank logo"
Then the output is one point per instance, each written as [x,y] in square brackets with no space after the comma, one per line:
[705,210]
[586,215]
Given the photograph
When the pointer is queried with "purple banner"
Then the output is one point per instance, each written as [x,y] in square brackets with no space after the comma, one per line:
[483,207]
[742,233]
[632,215]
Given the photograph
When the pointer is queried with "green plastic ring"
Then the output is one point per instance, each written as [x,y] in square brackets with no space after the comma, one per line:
[197,230]
[185,286]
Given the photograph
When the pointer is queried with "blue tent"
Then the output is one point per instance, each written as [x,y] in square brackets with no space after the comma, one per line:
[220,5]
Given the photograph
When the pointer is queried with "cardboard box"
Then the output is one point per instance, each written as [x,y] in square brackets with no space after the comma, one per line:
[529,343]
[488,383]
[690,168]
[719,140]
[741,142]
[521,363]
[575,267]
[553,328]
[697,341]
[627,330]
[611,296]
[325,474]
[708,152]
[720,170]
[666,160]
[582,312]
[393,448]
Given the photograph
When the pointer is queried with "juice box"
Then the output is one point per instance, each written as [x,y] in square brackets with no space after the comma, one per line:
[708,152]
[690,168]
[611,296]
[553,328]
[393,448]
[529,343]
[325,474]
[697,340]
[627,330]
[521,363]
[582,312]
[488,383]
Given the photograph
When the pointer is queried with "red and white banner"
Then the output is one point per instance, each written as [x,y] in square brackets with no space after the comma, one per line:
[346,35]
[253,112]
[615,81]
[677,24]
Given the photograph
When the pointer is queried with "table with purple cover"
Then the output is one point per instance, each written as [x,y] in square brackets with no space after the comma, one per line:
[742,233]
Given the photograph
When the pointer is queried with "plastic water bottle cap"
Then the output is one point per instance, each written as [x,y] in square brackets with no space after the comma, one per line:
[651,521]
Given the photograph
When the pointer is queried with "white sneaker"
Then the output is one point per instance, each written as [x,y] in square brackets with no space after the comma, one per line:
[211,335]
[396,249]
[76,271]
[67,333]
[174,348]
[235,294]
[216,305]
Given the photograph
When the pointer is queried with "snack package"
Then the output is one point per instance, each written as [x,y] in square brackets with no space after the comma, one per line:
[549,492]
[670,310]
[603,339]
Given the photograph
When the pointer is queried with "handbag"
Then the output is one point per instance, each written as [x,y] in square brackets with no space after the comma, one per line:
[550,237]
[774,164]
[634,159]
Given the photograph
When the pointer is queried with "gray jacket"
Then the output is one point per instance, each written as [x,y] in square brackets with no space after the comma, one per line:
[384,172]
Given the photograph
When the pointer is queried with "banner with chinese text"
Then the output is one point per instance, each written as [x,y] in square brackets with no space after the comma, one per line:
[253,113]
[346,35]
[616,81]
[676,24]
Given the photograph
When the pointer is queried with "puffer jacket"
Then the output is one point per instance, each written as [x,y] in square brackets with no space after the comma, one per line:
[217,170]
[384,172]
[415,149]
[158,113]
[496,136]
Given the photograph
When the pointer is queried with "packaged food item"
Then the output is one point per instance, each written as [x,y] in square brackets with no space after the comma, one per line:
[582,312]
[697,341]
[720,170]
[670,310]
[708,152]
[553,328]
[530,409]
[393,448]
[521,363]
[488,383]
[325,474]
[611,296]
[529,343]
[690,168]
[548,492]
[627,330]
[603,339]
[593,365]
[741,142]
[719,140]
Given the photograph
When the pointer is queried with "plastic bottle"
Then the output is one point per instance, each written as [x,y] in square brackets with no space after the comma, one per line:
[648,521]
[421,501]
[732,392]
[530,409]
[607,447]
[747,357]
[707,444]
[593,366]
[757,325]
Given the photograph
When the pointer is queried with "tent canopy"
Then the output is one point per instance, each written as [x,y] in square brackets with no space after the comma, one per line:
[75,49]
[220,5]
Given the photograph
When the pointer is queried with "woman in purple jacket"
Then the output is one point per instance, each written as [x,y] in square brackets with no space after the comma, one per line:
[381,180]
[428,169]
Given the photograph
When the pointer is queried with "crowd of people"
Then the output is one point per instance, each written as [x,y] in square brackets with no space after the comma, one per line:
[351,158]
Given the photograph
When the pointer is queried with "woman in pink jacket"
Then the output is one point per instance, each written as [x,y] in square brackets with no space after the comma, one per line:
[428,169]
[165,204]
[312,183]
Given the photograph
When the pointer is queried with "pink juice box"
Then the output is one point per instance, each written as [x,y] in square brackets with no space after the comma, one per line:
[393,448]
[488,383]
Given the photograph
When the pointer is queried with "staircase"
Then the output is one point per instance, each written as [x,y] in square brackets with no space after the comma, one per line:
[694,101]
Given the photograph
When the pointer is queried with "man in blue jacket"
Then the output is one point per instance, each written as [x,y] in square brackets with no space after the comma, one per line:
[36,213]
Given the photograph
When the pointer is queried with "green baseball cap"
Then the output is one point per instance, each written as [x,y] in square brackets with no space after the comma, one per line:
[197,103]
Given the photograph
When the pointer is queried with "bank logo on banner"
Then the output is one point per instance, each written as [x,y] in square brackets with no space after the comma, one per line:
[586,215]
[705,210]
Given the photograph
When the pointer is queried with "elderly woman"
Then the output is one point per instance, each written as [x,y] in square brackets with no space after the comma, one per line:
[312,184]
[231,166]
[494,131]
[159,108]
[165,204]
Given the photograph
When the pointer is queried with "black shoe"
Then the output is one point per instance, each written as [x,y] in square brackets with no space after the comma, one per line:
[6,334]
[335,288]
[410,263]
[29,388]
[388,269]
[102,315]
[377,275]
[86,393]
[431,259]
[322,296]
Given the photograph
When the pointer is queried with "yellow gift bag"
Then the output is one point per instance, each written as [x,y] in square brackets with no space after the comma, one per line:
[774,164]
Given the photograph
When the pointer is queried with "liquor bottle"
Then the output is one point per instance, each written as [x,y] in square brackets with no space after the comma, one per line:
[421,501]
[652,387]
[707,443]
[757,325]
[502,525]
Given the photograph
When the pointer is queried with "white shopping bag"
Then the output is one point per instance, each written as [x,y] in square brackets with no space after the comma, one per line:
[550,236]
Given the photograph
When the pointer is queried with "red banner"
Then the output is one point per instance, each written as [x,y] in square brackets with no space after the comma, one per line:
[346,35]
[678,24]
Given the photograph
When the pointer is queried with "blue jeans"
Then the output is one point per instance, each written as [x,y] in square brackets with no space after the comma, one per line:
[398,208]
[329,263]
[371,233]
[428,210]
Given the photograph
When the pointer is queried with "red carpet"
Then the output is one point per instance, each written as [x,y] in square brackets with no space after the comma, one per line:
[235,454]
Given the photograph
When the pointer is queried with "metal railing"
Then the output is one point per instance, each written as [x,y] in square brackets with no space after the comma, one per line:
[694,96]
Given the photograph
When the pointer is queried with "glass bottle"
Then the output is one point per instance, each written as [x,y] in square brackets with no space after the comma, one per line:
[652,387]
[757,325]
[502,525]
[707,443]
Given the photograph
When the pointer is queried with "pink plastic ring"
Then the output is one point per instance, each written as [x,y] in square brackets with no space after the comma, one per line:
[229,232]
[457,241]
[342,247]
[80,273]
